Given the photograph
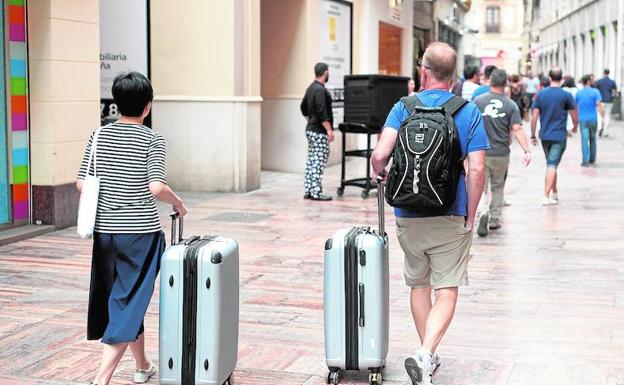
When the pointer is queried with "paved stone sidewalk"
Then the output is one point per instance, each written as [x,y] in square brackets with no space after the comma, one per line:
[545,305]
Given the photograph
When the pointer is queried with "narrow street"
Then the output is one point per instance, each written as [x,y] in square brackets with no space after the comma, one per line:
[545,305]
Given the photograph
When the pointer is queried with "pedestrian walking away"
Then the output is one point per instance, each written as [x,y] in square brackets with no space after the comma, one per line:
[470,85]
[589,104]
[607,88]
[436,241]
[531,86]
[316,107]
[517,95]
[501,117]
[551,108]
[485,82]
[128,242]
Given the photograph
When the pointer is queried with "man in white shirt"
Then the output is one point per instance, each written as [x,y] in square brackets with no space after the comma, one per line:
[471,74]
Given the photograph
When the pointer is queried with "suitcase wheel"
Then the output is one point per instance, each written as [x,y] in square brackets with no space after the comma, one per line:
[374,378]
[340,191]
[365,194]
[333,377]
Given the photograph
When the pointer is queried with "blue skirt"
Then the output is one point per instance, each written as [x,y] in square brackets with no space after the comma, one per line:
[123,272]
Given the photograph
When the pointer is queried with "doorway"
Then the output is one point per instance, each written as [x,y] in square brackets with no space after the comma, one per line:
[389,49]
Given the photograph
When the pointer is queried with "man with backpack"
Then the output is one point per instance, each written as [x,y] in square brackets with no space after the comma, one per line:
[435,201]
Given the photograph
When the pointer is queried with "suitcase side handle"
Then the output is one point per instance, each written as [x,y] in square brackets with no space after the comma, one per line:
[176,235]
[381,203]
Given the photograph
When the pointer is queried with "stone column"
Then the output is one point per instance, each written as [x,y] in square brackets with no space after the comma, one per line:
[599,52]
[64,42]
[205,58]
[580,56]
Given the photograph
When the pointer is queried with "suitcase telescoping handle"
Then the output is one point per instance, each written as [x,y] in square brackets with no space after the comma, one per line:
[176,234]
[381,203]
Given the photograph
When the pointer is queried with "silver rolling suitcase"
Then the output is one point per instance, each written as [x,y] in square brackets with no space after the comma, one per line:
[356,300]
[198,310]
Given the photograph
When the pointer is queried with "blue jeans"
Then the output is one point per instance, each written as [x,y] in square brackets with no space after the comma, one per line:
[554,152]
[588,140]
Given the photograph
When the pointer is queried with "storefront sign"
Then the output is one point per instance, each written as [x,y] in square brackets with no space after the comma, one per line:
[124,45]
[395,11]
[335,49]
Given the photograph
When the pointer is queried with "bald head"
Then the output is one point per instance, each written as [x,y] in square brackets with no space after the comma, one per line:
[441,59]
[555,74]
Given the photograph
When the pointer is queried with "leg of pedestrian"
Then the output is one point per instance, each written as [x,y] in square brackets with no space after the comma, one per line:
[111,355]
[585,142]
[420,301]
[593,144]
[499,166]
[307,184]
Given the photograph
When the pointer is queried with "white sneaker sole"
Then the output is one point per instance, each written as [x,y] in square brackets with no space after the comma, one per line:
[413,371]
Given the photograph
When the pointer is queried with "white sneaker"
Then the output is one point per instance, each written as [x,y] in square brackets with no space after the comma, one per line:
[549,201]
[435,362]
[141,376]
[419,368]
[554,196]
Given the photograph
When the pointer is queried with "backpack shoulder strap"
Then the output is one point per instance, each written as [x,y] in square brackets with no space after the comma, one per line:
[454,104]
[411,102]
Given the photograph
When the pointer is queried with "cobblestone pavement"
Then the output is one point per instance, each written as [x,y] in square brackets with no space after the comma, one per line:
[545,305]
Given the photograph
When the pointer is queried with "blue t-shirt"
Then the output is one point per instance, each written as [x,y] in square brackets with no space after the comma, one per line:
[480,91]
[606,86]
[554,103]
[586,100]
[472,137]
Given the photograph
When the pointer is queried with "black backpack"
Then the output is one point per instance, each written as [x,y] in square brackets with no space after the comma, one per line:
[427,161]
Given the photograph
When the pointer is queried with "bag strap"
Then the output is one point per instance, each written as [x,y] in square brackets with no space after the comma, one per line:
[92,152]
[454,104]
[411,102]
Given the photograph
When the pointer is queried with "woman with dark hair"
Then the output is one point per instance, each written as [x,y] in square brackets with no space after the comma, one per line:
[128,242]
[569,85]
[516,90]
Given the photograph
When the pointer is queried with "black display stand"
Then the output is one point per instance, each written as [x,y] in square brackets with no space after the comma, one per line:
[366,182]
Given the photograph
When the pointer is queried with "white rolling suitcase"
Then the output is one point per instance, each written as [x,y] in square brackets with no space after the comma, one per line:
[356,300]
[198,310]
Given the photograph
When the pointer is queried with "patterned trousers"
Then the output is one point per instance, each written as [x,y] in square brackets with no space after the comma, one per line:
[318,153]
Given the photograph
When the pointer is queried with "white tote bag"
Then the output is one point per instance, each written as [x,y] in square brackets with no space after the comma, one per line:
[87,209]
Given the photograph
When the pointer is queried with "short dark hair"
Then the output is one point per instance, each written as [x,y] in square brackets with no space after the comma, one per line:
[498,78]
[132,91]
[555,74]
[487,72]
[470,72]
[606,71]
[568,82]
[586,79]
[320,68]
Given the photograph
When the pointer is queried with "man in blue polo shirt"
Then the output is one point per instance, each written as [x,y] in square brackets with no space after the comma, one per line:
[437,245]
[588,100]
[551,107]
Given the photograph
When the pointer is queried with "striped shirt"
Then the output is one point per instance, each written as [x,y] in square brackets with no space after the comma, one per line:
[129,157]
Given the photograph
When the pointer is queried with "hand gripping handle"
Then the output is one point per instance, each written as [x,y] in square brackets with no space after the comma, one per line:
[176,235]
[381,203]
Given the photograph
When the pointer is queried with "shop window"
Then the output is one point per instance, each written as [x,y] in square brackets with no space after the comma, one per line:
[492,19]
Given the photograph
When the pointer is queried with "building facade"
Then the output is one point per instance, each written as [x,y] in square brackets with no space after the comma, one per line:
[227,92]
[580,36]
[498,41]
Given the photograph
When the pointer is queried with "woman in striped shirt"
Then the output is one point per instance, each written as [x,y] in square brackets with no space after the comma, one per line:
[128,241]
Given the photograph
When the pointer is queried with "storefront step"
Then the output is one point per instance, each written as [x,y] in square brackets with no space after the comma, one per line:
[23,232]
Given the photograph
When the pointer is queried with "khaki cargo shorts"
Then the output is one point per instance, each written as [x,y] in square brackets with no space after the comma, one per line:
[437,251]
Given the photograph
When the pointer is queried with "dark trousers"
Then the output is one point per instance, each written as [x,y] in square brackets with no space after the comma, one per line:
[123,271]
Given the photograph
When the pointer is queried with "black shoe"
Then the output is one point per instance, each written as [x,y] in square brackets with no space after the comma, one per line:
[482,230]
[321,197]
[584,164]
[495,226]
[307,196]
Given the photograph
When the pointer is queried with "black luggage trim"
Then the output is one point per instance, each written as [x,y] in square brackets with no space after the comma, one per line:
[189,308]
[351,299]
